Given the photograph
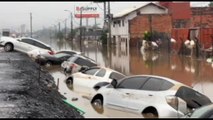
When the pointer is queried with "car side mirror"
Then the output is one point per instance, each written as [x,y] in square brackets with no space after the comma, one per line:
[114,83]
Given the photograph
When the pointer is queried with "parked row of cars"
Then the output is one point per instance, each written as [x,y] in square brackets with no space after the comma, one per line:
[145,95]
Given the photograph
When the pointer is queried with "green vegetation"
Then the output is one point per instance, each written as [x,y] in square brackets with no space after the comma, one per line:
[211,4]
[103,37]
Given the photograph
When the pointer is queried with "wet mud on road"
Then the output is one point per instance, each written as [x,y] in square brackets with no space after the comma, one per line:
[23,94]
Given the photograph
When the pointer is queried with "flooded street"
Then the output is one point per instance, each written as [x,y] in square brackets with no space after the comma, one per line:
[187,70]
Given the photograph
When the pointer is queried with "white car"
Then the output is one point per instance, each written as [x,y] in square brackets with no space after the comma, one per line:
[88,81]
[76,63]
[148,96]
[25,45]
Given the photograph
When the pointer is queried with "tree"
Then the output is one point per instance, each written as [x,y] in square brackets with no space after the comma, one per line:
[103,37]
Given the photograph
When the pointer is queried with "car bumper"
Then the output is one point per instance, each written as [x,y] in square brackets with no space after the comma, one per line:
[2,43]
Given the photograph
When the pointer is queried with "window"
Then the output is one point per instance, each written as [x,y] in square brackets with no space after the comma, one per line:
[119,23]
[89,64]
[132,83]
[116,76]
[40,45]
[122,22]
[101,73]
[91,71]
[166,85]
[28,41]
[83,62]
[153,84]
[114,24]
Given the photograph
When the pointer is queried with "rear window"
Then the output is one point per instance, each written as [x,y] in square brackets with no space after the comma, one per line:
[83,62]
[193,98]
[116,76]
[91,71]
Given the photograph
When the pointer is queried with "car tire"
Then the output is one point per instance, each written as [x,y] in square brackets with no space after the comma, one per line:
[66,71]
[8,47]
[69,81]
[97,104]
[150,113]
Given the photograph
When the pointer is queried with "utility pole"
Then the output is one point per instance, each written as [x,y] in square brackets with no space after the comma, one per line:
[65,31]
[150,26]
[71,29]
[71,26]
[95,29]
[80,29]
[59,27]
[31,25]
[109,24]
[104,16]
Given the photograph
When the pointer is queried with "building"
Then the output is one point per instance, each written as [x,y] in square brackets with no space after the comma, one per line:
[124,27]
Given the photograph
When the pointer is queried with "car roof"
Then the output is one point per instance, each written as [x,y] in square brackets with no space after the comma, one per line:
[165,78]
[107,69]
[84,57]
[34,40]
[77,52]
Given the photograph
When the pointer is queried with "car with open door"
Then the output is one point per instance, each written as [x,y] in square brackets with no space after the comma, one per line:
[149,96]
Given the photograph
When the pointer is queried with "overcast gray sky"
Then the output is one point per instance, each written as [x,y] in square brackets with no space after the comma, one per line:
[46,14]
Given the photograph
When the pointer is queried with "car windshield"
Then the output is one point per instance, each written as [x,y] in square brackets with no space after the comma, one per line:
[59,55]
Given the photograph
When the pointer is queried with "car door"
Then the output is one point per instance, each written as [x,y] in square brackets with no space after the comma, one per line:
[82,82]
[148,94]
[118,97]
[27,44]
[21,45]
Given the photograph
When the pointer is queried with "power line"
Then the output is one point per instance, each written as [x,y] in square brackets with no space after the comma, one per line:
[100,7]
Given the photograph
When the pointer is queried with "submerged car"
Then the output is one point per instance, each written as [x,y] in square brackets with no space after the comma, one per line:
[24,45]
[92,79]
[202,112]
[149,96]
[55,59]
[70,52]
[76,63]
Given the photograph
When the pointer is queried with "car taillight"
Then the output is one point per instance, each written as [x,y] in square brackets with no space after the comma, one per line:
[172,101]
[72,65]
[51,52]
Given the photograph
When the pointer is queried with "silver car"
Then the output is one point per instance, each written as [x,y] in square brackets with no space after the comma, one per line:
[91,79]
[76,63]
[24,44]
[148,96]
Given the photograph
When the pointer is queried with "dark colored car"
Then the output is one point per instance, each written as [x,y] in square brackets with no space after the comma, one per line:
[70,52]
[55,59]
[202,112]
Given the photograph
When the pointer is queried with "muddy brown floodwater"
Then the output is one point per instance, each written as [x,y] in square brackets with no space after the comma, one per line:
[196,73]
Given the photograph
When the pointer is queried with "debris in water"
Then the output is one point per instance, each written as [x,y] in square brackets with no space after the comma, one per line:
[74,99]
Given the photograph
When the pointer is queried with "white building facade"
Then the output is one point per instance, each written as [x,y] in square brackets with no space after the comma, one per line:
[120,23]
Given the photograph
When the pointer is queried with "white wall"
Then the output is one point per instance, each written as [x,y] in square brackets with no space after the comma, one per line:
[123,31]
[151,9]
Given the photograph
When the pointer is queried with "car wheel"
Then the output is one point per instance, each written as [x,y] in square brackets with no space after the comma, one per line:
[66,70]
[48,64]
[69,81]
[150,113]
[8,47]
[97,104]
